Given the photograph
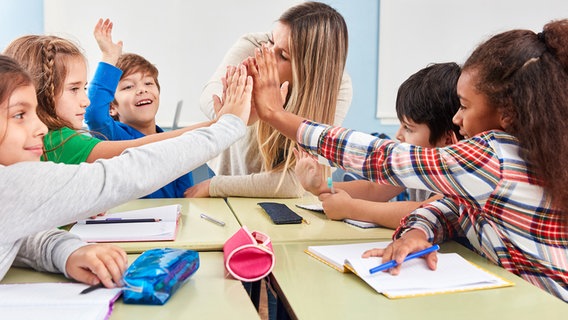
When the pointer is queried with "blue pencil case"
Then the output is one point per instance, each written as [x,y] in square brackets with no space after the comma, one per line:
[157,274]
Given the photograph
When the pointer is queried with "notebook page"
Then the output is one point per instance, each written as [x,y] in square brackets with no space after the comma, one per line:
[338,254]
[144,231]
[62,301]
[453,273]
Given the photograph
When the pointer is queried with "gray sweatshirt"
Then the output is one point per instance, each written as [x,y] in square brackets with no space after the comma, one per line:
[39,196]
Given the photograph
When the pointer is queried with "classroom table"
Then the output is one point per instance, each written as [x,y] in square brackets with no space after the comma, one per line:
[194,232]
[208,294]
[310,289]
[317,228]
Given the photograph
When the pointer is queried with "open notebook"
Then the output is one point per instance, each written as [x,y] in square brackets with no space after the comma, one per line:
[164,230]
[453,273]
[316,207]
[59,301]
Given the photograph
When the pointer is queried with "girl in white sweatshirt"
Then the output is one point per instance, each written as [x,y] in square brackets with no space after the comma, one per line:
[39,196]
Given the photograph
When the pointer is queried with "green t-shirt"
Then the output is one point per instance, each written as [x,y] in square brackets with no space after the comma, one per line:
[68,146]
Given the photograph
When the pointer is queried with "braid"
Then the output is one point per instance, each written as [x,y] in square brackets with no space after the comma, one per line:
[46,90]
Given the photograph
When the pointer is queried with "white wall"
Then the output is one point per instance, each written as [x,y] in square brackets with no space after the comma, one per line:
[186,40]
[414,33]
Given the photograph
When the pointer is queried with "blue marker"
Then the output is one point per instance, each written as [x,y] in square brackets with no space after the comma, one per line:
[392,263]
[330,184]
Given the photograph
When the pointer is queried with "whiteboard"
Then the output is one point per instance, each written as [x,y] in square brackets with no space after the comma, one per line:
[415,33]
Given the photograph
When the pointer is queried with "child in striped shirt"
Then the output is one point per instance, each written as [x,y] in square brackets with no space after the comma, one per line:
[504,185]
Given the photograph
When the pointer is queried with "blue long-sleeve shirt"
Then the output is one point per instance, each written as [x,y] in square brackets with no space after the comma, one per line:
[102,125]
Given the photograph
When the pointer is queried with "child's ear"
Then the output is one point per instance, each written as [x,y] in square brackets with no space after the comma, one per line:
[505,121]
[113,111]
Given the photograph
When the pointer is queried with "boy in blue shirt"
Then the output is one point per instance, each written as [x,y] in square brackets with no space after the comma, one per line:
[125,96]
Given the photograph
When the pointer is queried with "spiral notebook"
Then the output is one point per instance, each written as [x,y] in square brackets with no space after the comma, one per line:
[163,230]
[453,272]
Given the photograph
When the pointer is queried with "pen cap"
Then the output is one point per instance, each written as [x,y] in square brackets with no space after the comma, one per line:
[248,256]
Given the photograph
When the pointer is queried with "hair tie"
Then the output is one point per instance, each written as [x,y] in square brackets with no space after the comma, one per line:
[540,36]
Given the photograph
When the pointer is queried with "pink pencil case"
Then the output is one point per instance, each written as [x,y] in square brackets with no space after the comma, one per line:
[248,255]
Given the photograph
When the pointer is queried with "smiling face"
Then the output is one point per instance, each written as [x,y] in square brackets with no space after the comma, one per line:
[21,131]
[137,99]
[71,102]
[475,115]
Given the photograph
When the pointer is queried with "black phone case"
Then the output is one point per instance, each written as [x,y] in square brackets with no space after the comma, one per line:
[280,213]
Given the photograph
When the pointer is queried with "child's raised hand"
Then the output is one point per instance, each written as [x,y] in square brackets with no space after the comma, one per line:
[97,263]
[103,34]
[237,93]
[309,172]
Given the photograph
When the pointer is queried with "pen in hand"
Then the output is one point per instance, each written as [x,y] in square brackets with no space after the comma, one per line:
[392,263]
[92,288]
[330,184]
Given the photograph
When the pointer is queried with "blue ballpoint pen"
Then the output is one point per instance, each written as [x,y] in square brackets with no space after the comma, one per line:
[392,263]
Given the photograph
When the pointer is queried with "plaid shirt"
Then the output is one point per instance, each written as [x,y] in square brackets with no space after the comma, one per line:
[492,196]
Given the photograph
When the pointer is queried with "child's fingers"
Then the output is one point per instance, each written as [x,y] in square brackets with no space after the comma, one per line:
[99,269]
[107,26]
[115,265]
[231,70]
[224,94]
[242,81]
[248,88]
[252,68]
[373,253]
[98,29]
[237,84]
[86,276]
[432,260]
[110,266]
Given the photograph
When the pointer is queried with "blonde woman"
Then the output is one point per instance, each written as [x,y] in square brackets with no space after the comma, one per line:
[310,40]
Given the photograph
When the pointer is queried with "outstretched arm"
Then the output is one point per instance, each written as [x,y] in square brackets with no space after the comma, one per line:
[238,99]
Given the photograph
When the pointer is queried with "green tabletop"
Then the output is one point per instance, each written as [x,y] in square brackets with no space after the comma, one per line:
[318,228]
[194,232]
[312,290]
[208,294]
